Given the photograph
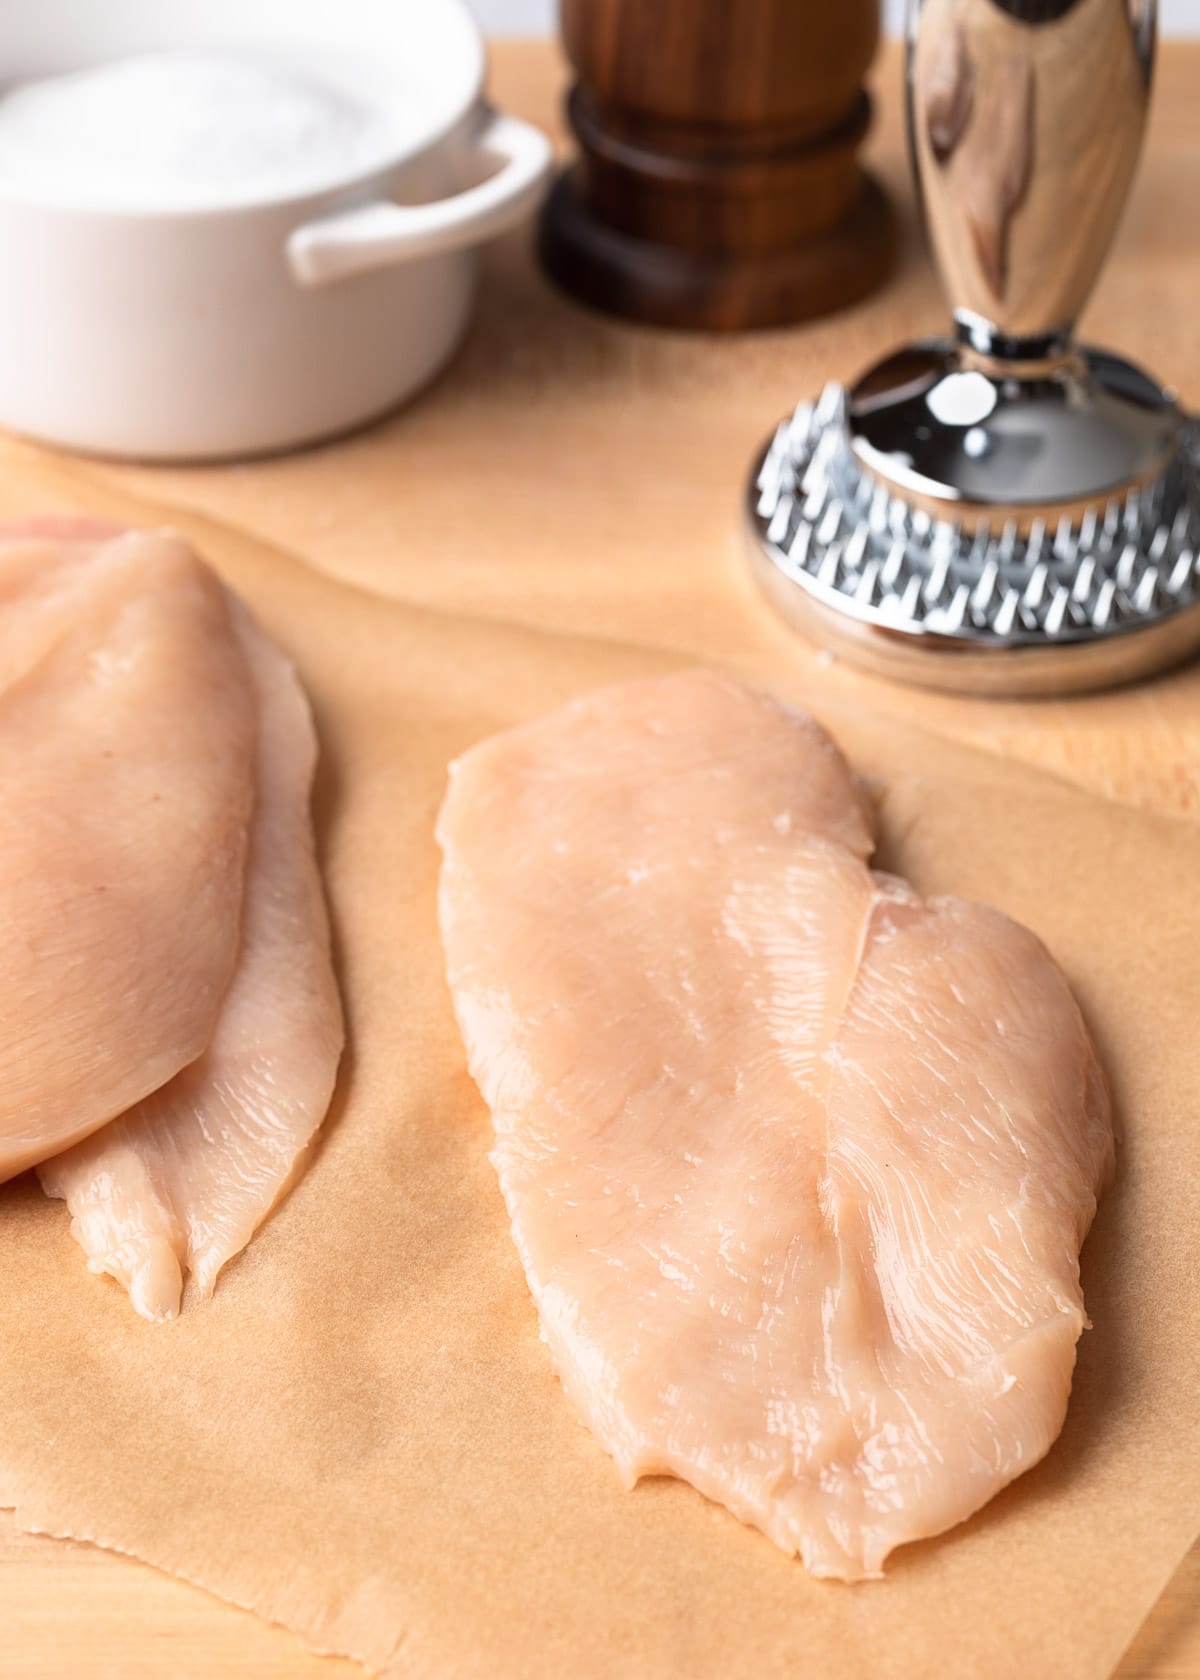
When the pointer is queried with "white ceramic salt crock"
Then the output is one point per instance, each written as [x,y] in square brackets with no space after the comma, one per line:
[191,333]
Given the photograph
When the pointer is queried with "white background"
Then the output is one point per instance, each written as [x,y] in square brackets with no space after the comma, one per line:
[537,17]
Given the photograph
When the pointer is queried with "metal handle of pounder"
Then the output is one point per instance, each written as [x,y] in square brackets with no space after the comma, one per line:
[1025,123]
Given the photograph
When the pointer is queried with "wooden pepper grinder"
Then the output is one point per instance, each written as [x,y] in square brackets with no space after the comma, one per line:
[718,183]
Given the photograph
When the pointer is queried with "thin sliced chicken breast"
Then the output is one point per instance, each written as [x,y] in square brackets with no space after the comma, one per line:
[798,1165]
[181,1182]
[126,758]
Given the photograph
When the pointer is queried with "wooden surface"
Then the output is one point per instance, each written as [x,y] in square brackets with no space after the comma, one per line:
[611,459]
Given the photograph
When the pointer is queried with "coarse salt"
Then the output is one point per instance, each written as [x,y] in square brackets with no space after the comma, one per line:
[179,130]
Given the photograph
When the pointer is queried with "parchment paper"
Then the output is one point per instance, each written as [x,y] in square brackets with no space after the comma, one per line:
[361,1436]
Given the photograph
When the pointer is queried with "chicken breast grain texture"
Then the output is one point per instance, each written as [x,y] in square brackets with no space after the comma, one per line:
[127,759]
[798,1164]
[181,1182]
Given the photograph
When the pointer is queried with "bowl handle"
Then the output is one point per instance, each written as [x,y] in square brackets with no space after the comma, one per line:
[378,234]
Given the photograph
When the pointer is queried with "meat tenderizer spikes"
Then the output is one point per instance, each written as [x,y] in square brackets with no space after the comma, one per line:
[1012,512]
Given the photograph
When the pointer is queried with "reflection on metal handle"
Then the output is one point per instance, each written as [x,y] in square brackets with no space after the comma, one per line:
[1025,122]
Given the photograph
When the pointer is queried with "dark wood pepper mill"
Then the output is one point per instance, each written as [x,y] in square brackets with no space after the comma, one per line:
[718,183]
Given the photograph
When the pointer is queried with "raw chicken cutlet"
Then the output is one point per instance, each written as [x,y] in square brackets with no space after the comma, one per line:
[127,762]
[172,1002]
[798,1164]
[184,1179]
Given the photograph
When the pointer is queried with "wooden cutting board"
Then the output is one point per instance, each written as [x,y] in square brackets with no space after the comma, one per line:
[578,474]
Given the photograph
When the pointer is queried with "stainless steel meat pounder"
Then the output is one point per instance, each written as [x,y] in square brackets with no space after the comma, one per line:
[1005,511]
